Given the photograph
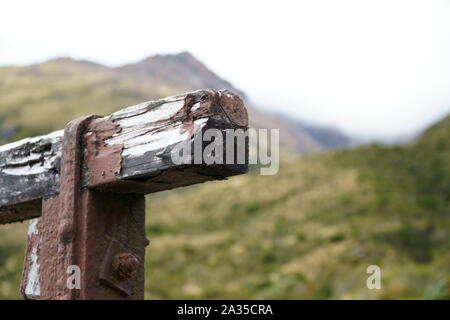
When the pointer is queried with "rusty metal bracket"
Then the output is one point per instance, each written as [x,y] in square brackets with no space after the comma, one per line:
[70,201]
[101,233]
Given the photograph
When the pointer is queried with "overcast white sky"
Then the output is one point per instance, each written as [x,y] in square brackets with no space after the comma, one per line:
[374,68]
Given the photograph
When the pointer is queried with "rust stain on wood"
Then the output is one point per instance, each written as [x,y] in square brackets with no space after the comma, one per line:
[205,100]
[104,162]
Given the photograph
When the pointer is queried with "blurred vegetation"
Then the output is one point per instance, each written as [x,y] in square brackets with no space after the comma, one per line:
[12,250]
[311,231]
[308,232]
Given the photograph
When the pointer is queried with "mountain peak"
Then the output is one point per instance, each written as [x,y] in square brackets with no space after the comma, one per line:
[181,56]
[183,70]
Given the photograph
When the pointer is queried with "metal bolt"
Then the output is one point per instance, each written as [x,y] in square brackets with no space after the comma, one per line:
[126,265]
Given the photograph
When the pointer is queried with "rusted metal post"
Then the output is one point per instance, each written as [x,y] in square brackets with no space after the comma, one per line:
[88,229]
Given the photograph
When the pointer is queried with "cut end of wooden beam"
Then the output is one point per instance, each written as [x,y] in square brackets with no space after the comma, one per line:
[234,108]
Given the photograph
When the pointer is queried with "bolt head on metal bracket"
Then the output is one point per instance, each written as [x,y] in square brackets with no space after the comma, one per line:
[119,268]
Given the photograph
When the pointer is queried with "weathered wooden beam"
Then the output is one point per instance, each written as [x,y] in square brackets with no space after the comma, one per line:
[128,151]
[29,171]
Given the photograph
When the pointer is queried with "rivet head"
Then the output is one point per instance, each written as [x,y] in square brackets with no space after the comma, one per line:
[126,265]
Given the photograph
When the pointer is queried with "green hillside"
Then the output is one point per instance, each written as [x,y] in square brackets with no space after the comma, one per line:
[312,230]
[308,232]
[43,97]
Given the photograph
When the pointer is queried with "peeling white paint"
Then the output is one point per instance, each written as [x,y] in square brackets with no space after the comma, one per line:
[33,287]
[139,145]
[27,170]
[195,106]
[158,113]
[142,144]
[136,123]
[17,164]
[32,228]
[56,135]
[142,107]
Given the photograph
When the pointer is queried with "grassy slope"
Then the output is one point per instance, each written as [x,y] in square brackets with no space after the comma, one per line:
[308,232]
[312,230]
